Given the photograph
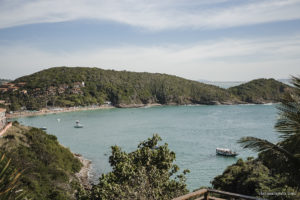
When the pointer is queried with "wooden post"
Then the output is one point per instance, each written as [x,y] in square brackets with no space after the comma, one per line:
[206,196]
[193,194]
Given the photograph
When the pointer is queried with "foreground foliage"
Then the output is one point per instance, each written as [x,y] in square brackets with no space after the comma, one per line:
[9,181]
[48,168]
[275,174]
[147,173]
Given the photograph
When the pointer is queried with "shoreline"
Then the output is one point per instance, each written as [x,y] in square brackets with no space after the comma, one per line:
[84,174]
[46,111]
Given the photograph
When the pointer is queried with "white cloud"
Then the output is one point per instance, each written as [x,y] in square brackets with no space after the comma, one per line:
[153,15]
[213,60]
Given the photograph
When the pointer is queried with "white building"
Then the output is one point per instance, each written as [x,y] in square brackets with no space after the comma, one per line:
[107,103]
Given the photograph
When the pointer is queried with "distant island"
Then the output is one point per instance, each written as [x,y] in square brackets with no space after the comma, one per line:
[82,86]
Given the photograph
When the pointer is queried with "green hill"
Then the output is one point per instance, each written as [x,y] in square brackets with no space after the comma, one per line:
[65,86]
[260,91]
[82,86]
[48,168]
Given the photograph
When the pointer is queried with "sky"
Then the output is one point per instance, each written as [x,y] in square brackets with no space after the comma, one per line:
[215,40]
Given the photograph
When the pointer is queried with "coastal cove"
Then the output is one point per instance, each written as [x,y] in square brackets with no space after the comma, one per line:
[47,111]
[192,132]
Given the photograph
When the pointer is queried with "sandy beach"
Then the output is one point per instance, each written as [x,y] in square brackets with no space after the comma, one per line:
[47,111]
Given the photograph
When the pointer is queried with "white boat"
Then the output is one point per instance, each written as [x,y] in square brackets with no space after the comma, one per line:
[78,125]
[225,152]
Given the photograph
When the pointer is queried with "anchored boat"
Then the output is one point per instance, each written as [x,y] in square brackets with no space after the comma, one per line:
[225,152]
[78,125]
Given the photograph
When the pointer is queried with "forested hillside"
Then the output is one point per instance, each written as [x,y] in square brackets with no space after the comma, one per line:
[260,91]
[82,86]
[65,86]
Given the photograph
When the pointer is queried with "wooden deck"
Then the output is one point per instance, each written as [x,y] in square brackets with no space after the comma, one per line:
[207,194]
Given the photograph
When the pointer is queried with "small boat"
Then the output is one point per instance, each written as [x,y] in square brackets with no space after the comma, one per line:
[43,128]
[78,125]
[225,152]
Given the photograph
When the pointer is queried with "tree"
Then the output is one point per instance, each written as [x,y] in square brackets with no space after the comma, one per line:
[288,127]
[143,174]
[277,168]
[253,178]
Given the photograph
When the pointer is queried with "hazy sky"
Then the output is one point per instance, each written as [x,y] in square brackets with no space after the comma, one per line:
[217,40]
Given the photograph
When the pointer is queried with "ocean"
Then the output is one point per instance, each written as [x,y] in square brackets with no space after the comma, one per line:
[192,132]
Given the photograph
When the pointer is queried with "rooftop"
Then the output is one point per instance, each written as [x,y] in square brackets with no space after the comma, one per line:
[2,110]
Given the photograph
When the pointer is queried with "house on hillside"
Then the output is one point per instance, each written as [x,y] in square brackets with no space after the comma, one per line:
[2,118]
[14,88]
[62,88]
[21,84]
[3,90]
[24,91]
[107,103]
[79,84]
[8,87]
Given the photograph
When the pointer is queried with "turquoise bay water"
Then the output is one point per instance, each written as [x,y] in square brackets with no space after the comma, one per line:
[192,132]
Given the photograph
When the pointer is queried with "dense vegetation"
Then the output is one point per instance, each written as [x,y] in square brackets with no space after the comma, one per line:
[65,86]
[275,174]
[260,91]
[81,86]
[147,173]
[48,168]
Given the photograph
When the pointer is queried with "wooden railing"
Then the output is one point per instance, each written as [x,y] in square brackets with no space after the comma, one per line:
[206,194]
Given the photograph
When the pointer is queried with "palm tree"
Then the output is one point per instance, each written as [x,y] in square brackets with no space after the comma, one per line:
[288,127]
[9,181]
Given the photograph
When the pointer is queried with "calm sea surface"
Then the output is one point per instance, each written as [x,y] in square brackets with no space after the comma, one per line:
[192,132]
